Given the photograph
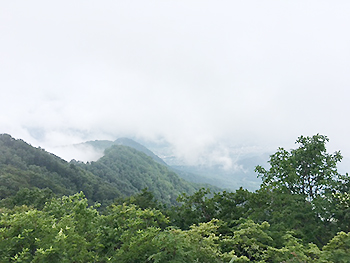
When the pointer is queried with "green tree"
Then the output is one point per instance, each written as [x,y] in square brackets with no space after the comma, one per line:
[204,206]
[294,251]
[66,230]
[307,179]
[286,212]
[31,197]
[338,249]
[251,240]
[308,170]
[144,199]
[194,209]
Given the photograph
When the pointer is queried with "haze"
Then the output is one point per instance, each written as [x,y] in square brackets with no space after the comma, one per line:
[208,77]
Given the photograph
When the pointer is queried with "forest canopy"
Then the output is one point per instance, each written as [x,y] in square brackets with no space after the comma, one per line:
[300,214]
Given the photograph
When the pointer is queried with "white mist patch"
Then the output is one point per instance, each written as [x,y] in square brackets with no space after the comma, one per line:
[84,153]
[205,152]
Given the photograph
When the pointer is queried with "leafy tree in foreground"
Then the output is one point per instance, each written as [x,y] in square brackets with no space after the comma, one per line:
[308,170]
[284,221]
[309,174]
[286,212]
[338,249]
[66,230]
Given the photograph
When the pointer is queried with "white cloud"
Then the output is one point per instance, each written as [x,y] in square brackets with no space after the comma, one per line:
[197,74]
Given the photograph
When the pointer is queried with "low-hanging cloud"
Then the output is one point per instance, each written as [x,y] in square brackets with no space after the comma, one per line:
[208,80]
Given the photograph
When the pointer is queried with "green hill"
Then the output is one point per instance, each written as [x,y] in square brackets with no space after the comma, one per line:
[133,170]
[102,145]
[137,146]
[24,166]
[191,176]
[123,171]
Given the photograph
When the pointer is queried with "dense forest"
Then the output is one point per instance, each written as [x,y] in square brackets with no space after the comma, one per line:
[299,214]
[122,171]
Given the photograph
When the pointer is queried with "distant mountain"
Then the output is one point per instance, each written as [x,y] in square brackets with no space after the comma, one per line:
[207,182]
[242,175]
[219,177]
[99,145]
[102,145]
[132,171]
[123,171]
[139,147]
[24,166]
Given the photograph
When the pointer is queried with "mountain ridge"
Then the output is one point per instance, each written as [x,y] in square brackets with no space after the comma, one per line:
[214,175]
[102,145]
[121,172]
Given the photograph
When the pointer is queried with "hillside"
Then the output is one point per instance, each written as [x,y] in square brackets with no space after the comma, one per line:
[208,178]
[123,171]
[281,222]
[137,146]
[132,171]
[101,145]
[24,166]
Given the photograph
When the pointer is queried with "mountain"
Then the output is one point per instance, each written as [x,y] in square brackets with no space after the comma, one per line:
[133,170]
[205,181]
[216,175]
[101,145]
[139,147]
[24,166]
[241,175]
[122,171]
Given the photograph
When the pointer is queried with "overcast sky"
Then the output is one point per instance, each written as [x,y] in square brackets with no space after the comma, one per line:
[253,74]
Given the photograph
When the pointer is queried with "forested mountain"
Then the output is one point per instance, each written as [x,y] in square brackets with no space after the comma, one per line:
[24,166]
[204,177]
[139,147]
[300,214]
[123,171]
[102,145]
[131,171]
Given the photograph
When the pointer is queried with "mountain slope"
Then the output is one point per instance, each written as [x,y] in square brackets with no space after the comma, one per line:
[139,147]
[123,171]
[133,171]
[196,178]
[24,166]
[102,145]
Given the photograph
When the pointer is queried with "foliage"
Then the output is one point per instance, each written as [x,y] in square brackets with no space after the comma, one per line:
[64,231]
[308,170]
[144,199]
[23,166]
[131,171]
[122,172]
[31,197]
[307,178]
[338,249]
[283,221]
[251,240]
[204,206]
[68,230]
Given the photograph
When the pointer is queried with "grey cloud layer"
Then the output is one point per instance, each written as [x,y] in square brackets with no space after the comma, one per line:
[197,74]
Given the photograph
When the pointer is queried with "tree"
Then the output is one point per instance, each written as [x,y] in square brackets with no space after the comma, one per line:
[338,249]
[308,170]
[66,230]
[203,206]
[288,212]
[308,175]
[144,199]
